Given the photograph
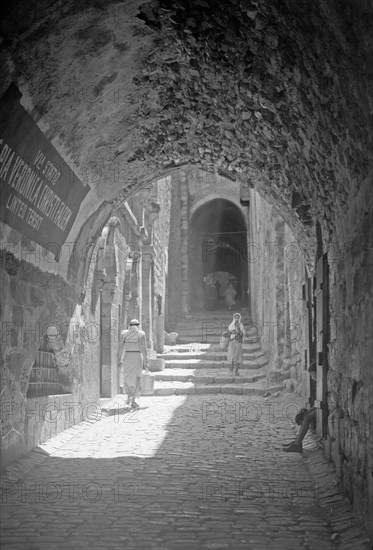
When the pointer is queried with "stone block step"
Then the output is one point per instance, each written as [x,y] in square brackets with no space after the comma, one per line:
[214,326]
[193,347]
[211,340]
[217,356]
[179,388]
[209,376]
[216,314]
[201,364]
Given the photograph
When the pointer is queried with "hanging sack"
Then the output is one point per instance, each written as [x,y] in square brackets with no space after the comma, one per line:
[239,338]
[147,383]
[121,378]
[223,343]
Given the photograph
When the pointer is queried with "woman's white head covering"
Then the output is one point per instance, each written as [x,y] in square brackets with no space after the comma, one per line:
[134,325]
[234,323]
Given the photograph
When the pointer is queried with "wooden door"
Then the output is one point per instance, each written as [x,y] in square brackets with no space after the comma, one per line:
[101,330]
[309,351]
[321,297]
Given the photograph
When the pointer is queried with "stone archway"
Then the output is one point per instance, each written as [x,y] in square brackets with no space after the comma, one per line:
[217,254]
[276,94]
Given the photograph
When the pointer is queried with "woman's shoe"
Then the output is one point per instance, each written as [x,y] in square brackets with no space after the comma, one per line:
[135,405]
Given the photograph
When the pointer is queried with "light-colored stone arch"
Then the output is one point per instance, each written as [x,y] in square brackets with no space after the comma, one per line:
[209,196]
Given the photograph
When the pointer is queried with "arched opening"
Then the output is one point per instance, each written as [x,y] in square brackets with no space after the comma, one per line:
[217,255]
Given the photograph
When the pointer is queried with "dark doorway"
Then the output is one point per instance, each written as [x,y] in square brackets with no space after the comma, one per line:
[217,255]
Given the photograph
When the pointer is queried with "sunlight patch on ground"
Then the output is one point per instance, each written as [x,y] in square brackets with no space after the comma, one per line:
[145,430]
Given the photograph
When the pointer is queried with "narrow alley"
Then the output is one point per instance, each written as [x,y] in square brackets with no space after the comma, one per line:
[200,465]
[181,473]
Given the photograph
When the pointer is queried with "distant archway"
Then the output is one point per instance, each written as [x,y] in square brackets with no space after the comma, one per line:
[217,254]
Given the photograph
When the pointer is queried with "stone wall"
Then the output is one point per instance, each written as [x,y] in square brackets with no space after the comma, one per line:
[33,300]
[276,268]
[350,376]
[161,237]
[173,293]
[277,296]
[130,237]
[115,251]
[295,312]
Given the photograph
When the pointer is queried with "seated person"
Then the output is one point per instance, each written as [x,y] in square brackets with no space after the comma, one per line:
[303,419]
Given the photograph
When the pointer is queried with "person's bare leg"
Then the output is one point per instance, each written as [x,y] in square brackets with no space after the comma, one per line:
[236,370]
[136,394]
[296,446]
[309,417]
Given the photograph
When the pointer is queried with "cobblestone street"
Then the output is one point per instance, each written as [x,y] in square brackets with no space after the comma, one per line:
[182,472]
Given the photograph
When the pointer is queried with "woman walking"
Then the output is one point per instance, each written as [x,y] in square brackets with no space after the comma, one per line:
[230,295]
[237,333]
[133,360]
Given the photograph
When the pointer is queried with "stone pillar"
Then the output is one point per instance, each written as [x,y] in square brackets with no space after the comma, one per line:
[160,333]
[159,326]
[147,294]
[108,345]
[184,250]
[136,287]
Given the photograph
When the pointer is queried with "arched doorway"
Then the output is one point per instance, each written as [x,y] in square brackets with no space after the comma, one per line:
[217,254]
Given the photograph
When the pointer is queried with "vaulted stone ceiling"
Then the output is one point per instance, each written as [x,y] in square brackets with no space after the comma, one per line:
[276,94]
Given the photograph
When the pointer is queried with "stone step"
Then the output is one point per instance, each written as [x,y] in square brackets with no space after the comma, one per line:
[217,356]
[210,339]
[200,348]
[185,388]
[201,364]
[222,320]
[212,329]
[209,376]
[214,319]
[216,313]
